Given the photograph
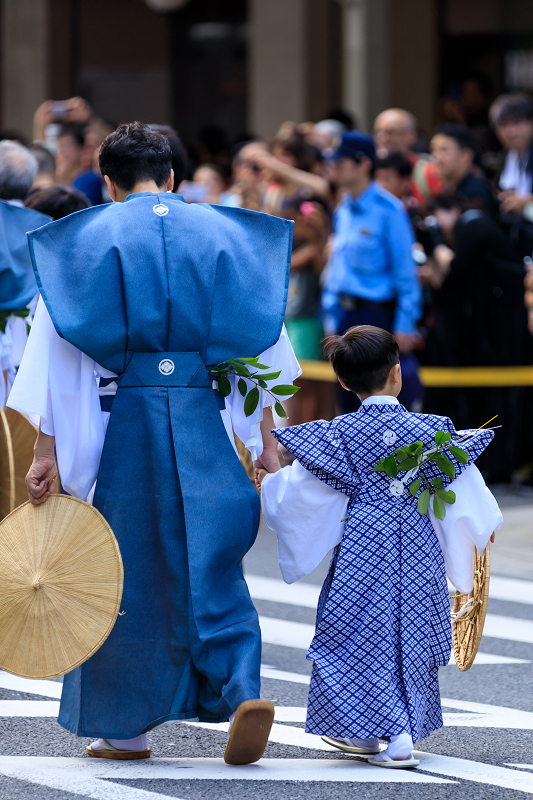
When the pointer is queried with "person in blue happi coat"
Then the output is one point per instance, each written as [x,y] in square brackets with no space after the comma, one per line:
[383,624]
[151,292]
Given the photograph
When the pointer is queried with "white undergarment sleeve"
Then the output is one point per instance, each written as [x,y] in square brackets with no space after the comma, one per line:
[57,385]
[468,523]
[56,382]
[307,516]
[279,357]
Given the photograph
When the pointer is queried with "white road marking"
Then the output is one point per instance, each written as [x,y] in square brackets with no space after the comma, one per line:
[43,688]
[487,658]
[520,766]
[76,775]
[81,775]
[280,675]
[29,708]
[277,591]
[285,633]
[306,594]
[510,628]
[475,771]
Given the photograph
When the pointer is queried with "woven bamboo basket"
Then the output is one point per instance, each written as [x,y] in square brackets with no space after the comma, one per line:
[7,468]
[23,436]
[61,581]
[469,612]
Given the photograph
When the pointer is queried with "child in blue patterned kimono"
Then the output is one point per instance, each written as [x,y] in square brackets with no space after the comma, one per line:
[383,624]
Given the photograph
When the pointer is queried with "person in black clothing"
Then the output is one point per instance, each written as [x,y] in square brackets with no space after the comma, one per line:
[456,155]
[480,320]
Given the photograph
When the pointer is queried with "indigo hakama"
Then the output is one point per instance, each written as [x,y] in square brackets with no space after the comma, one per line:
[383,623]
[156,291]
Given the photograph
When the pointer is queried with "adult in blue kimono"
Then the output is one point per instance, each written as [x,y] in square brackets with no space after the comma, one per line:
[17,281]
[156,291]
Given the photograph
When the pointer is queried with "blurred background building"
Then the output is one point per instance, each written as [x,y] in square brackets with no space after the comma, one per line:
[247,65]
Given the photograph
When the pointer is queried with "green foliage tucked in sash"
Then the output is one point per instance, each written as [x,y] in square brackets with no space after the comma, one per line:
[410,460]
[242,367]
[5,314]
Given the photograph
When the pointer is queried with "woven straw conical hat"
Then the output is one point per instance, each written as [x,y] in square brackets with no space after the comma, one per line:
[61,583]
[23,436]
[7,473]
[469,612]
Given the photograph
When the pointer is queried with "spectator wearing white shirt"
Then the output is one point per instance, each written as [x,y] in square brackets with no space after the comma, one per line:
[512,118]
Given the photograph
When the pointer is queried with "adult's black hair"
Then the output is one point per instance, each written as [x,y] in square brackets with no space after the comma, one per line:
[515,107]
[363,357]
[446,201]
[179,156]
[463,136]
[57,201]
[344,117]
[75,131]
[396,161]
[135,153]
[46,163]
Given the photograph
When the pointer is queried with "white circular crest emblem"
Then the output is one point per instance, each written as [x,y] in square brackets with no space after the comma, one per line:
[160,209]
[396,488]
[389,437]
[166,366]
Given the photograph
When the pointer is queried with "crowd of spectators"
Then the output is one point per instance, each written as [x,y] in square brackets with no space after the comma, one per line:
[436,246]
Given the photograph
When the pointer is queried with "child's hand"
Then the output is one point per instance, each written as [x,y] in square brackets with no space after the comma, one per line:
[493,537]
[259,477]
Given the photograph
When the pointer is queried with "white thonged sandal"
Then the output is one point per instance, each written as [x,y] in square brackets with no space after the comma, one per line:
[390,763]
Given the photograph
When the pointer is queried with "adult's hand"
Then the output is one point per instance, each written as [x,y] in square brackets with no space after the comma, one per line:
[514,202]
[406,341]
[42,475]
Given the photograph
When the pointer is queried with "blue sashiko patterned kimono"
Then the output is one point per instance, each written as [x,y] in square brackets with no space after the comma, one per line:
[383,624]
[157,290]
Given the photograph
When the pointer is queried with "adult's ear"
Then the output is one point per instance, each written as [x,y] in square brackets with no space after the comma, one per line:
[111,188]
[170,182]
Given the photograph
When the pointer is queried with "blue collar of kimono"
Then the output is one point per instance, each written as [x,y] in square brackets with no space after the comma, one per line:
[169,195]
[381,403]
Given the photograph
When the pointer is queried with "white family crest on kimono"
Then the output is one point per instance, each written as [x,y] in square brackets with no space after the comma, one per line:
[383,623]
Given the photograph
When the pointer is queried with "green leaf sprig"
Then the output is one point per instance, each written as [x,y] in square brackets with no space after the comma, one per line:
[5,314]
[413,457]
[243,368]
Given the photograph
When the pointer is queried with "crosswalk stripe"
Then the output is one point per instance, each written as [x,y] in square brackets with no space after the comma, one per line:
[82,775]
[43,688]
[285,633]
[487,774]
[306,595]
[29,708]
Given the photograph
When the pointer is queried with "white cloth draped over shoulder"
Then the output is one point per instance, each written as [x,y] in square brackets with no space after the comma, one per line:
[59,384]
[308,518]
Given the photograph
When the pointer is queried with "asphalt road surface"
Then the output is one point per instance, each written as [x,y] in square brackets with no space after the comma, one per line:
[484,751]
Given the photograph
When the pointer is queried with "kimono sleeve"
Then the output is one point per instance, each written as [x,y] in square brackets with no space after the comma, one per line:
[473,441]
[319,447]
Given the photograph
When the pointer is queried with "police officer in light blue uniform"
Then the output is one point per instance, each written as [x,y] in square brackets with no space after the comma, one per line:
[371,278]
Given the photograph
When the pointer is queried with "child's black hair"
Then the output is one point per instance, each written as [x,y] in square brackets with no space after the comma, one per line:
[363,357]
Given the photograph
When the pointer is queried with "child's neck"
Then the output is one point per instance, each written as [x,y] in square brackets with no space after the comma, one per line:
[387,391]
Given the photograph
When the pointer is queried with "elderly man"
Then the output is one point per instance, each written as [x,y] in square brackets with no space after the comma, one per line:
[396,131]
[18,168]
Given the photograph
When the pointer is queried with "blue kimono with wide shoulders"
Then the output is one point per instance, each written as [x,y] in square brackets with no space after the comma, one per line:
[157,290]
[17,281]
[383,624]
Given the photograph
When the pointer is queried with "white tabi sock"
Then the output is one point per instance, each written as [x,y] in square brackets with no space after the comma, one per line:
[399,749]
[138,743]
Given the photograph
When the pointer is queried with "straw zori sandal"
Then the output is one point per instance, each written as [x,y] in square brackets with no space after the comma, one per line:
[118,755]
[389,762]
[248,735]
[346,748]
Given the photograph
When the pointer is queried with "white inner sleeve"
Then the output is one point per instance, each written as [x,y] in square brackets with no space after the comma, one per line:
[57,385]
[307,516]
[469,523]
[279,357]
